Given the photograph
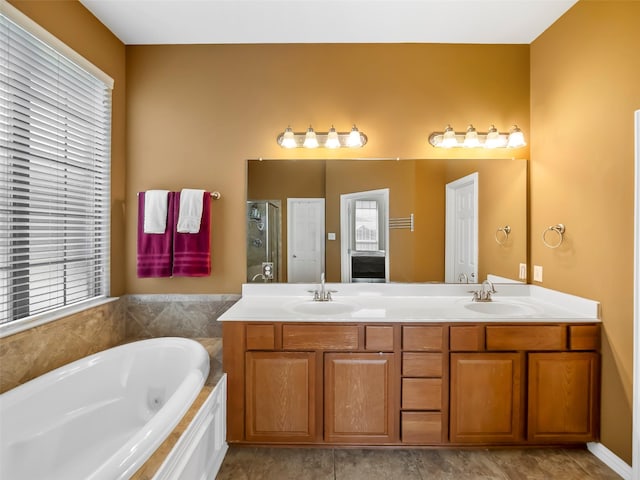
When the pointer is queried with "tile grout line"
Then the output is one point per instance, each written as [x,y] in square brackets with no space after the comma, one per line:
[333,455]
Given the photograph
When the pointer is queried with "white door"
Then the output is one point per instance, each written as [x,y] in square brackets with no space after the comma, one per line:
[305,239]
[461,243]
[376,242]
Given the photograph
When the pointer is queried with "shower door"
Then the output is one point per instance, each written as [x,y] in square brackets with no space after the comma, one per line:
[263,241]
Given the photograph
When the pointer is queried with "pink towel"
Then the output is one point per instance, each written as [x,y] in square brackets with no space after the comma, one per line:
[192,251]
[155,250]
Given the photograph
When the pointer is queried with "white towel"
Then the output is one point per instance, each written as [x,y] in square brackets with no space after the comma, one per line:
[155,211]
[190,213]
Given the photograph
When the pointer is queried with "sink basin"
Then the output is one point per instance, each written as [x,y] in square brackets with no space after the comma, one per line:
[323,308]
[500,308]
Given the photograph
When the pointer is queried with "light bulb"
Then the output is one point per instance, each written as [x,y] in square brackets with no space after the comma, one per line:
[310,140]
[471,138]
[288,139]
[493,138]
[516,138]
[449,138]
[333,141]
[354,139]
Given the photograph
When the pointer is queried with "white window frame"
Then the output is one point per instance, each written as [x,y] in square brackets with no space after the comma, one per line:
[76,166]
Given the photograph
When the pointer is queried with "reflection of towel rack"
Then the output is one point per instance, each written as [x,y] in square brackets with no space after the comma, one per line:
[502,234]
[402,222]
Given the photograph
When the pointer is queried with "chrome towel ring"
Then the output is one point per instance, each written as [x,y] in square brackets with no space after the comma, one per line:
[502,235]
[559,231]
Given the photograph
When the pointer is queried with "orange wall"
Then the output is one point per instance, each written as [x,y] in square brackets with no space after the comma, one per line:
[585,86]
[195,113]
[70,22]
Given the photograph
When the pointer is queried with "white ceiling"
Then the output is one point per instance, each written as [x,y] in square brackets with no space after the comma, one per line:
[143,22]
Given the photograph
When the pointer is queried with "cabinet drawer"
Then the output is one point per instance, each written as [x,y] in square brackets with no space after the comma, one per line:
[421,393]
[584,337]
[428,338]
[260,337]
[466,338]
[378,338]
[421,427]
[421,364]
[527,337]
[319,337]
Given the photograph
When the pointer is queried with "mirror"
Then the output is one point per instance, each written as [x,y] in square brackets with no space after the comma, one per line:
[415,186]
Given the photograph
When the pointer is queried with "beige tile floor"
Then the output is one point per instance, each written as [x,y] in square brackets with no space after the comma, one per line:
[407,464]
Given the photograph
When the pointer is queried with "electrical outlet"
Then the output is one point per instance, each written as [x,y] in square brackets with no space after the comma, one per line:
[267,270]
[522,272]
[537,273]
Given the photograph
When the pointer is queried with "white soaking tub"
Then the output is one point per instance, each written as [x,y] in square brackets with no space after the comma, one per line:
[102,416]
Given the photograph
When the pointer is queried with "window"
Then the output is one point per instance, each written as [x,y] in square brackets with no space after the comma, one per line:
[55,122]
[366,224]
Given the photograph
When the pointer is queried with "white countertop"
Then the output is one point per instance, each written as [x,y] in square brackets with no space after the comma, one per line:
[395,302]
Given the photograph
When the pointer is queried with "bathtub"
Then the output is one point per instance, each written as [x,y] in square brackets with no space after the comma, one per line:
[102,416]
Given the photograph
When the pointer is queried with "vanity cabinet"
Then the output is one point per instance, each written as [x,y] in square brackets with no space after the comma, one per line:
[524,383]
[359,402]
[563,397]
[439,383]
[486,397]
[280,396]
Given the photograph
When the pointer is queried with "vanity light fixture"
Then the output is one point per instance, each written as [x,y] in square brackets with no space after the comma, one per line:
[474,139]
[331,139]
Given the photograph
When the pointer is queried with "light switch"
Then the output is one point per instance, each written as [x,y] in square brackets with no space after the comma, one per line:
[331,236]
[537,273]
[522,272]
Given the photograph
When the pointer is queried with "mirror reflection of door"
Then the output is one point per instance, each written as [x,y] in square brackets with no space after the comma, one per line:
[305,239]
[461,251]
[364,233]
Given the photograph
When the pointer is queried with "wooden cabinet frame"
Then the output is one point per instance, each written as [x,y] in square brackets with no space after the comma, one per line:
[414,361]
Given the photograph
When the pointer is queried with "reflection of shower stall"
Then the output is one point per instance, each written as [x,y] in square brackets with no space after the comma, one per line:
[263,241]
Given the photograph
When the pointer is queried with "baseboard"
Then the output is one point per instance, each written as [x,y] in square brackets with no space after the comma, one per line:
[612,461]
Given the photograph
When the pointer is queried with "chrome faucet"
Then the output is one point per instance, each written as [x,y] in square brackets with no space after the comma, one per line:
[259,275]
[462,278]
[484,294]
[322,295]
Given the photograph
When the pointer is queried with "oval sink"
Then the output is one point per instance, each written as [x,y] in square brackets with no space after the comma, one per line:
[323,308]
[499,308]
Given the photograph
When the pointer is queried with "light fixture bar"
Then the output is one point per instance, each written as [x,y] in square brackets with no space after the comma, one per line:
[331,139]
[474,139]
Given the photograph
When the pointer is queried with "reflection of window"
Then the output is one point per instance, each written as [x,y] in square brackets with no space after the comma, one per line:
[55,120]
[367,225]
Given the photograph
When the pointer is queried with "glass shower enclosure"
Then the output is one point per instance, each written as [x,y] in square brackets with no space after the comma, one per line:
[263,241]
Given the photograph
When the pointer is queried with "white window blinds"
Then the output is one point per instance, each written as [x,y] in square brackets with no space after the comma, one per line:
[55,122]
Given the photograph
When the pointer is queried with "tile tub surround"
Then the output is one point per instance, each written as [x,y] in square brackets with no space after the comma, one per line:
[31,353]
[191,316]
[409,464]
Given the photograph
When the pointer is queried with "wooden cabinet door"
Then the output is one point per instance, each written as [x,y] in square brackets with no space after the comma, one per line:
[562,397]
[359,400]
[486,397]
[280,396]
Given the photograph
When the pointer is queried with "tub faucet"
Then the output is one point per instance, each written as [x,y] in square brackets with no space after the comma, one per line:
[462,278]
[322,294]
[484,294]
